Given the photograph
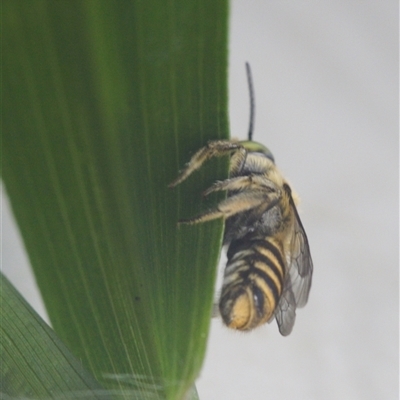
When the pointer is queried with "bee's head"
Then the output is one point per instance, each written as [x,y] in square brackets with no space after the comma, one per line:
[254,147]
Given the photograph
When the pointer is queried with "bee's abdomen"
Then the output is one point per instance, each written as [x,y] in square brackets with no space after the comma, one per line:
[253,282]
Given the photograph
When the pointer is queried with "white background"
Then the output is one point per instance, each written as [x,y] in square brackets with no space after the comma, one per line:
[326,82]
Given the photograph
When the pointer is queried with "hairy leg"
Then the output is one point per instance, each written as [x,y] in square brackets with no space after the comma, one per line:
[242,183]
[236,204]
[215,148]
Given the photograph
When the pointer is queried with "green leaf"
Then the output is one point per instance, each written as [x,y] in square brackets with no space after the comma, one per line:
[103,102]
[34,362]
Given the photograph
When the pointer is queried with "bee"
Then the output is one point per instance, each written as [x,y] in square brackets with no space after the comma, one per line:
[269,269]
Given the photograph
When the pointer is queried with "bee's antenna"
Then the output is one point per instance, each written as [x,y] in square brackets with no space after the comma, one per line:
[252,106]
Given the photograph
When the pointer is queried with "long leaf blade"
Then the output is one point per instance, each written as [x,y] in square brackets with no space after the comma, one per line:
[104,101]
[34,362]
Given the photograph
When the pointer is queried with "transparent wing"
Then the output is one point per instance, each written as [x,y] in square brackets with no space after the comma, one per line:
[301,265]
[285,313]
[298,277]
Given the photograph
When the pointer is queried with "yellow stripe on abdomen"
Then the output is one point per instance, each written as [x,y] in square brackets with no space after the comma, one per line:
[253,282]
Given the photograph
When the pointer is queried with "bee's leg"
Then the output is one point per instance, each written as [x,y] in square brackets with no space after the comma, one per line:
[232,205]
[237,161]
[240,183]
[215,148]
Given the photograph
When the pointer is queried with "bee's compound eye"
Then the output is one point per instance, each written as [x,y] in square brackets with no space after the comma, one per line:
[254,147]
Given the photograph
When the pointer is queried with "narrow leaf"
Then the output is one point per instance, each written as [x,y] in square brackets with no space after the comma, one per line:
[34,362]
[104,101]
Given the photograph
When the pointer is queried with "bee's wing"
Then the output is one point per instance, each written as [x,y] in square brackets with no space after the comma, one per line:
[301,265]
[298,277]
[285,312]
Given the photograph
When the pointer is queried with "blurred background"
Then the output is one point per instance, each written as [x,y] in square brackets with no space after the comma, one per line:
[326,83]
